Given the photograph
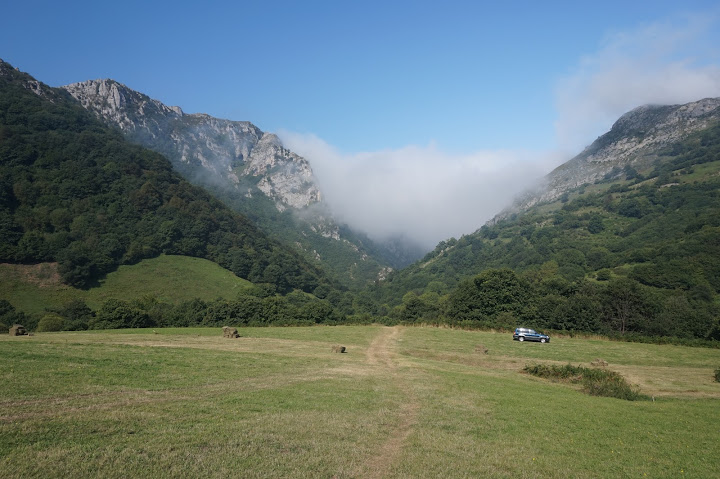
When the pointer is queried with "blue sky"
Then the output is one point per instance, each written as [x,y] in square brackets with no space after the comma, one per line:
[487,85]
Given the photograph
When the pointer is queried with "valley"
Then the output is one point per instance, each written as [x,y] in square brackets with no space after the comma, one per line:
[625,247]
[360,240]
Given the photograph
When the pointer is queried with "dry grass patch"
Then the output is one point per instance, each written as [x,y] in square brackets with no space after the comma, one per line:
[672,382]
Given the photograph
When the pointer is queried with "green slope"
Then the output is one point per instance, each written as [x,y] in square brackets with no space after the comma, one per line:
[171,279]
[623,224]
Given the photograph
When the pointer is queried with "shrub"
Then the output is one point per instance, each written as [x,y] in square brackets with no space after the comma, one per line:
[50,322]
[75,310]
[596,382]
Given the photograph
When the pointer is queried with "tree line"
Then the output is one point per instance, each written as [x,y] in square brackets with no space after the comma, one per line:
[260,306]
[503,299]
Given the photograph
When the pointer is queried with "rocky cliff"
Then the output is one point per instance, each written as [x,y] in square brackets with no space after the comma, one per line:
[198,143]
[635,140]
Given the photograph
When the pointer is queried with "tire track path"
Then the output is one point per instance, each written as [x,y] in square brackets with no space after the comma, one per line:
[381,354]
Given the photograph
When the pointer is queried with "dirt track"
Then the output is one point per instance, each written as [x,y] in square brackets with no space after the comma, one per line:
[381,355]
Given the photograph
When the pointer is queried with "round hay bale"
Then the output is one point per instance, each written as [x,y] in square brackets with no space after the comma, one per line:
[18,330]
[338,349]
[229,332]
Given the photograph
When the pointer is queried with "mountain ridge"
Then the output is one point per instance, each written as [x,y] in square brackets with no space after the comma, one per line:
[632,141]
[218,145]
[250,170]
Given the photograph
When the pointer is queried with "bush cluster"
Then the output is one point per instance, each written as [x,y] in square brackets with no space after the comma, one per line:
[259,307]
[620,307]
[596,382]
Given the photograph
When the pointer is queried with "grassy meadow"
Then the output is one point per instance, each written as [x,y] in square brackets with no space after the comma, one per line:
[36,288]
[402,402]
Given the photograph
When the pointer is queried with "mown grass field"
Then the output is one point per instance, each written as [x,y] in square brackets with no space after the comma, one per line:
[402,402]
[36,288]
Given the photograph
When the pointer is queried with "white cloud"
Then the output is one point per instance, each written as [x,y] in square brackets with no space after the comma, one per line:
[429,195]
[662,63]
[421,192]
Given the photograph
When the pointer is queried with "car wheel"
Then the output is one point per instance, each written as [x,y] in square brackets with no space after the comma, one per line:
[542,340]
[521,338]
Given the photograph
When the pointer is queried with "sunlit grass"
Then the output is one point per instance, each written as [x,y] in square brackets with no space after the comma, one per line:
[278,403]
[35,288]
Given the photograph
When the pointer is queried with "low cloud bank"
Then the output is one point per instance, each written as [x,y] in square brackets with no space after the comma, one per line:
[421,192]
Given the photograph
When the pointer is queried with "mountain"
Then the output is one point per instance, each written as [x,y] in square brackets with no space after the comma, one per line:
[248,169]
[219,150]
[626,239]
[74,191]
[633,142]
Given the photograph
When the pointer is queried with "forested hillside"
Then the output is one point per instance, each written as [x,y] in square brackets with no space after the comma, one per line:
[638,251]
[75,192]
[250,171]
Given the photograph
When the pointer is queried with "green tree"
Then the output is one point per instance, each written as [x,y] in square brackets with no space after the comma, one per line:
[595,224]
[317,312]
[628,306]
[117,314]
[491,292]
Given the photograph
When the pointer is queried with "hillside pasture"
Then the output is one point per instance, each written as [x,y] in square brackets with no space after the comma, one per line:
[169,278]
[401,402]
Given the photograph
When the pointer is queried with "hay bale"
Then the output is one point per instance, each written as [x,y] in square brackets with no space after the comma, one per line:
[338,349]
[599,363]
[229,332]
[18,330]
[481,349]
